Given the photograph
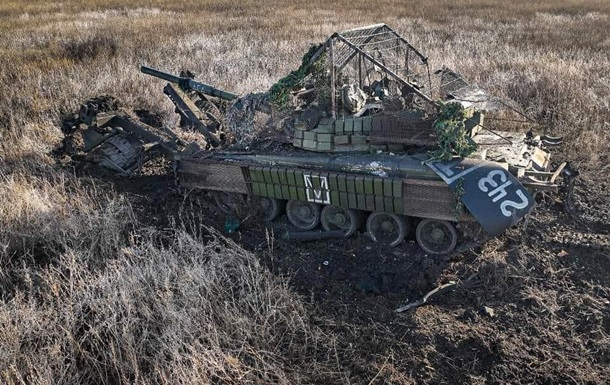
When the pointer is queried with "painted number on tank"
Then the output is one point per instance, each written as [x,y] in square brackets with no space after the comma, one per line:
[317,194]
[495,184]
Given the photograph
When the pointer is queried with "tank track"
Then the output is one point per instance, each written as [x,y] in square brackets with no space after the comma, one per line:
[120,153]
[469,234]
[590,208]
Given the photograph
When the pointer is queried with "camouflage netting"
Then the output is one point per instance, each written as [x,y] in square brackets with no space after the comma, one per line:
[452,138]
[280,93]
[241,117]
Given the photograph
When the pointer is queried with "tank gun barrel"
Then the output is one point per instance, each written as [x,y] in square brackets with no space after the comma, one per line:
[188,84]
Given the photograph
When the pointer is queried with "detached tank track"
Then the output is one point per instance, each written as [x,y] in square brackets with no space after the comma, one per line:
[590,208]
[121,152]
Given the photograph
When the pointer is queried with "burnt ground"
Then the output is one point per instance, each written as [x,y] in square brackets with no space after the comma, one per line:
[535,307]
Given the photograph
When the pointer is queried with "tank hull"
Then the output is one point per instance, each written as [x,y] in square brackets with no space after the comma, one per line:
[401,185]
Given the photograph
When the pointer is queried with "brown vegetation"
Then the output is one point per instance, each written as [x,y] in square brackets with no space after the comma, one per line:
[89,294]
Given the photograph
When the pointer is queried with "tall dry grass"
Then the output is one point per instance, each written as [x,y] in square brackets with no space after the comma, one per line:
[156,313]
[90,296]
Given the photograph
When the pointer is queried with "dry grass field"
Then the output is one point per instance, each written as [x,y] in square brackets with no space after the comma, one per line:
[92,293]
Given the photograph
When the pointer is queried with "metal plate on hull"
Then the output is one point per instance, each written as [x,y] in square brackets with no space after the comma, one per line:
[492,194]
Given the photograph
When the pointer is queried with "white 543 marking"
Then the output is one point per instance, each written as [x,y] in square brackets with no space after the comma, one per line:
[499,191]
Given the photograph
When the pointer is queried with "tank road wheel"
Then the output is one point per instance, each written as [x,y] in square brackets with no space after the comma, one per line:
[436,236]
[303,215]
[385,228]
[228,203]
[270,208]
[338,218]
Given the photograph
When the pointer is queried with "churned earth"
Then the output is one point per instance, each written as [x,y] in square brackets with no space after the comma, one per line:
[530,306]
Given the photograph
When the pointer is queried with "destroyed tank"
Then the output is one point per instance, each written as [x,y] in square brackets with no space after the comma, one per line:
[381,142]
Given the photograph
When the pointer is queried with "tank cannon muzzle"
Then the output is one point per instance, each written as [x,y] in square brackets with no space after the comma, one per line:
[188,84]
